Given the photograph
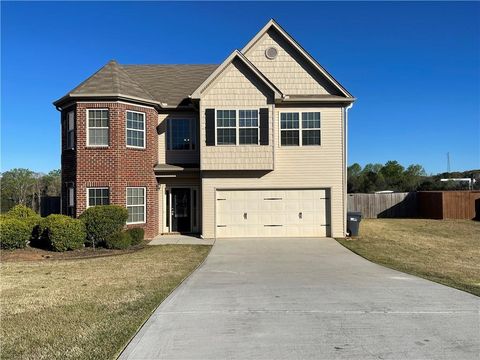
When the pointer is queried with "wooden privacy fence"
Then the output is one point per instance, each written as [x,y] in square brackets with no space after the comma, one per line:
[449,204]
[422,204]
[384,205]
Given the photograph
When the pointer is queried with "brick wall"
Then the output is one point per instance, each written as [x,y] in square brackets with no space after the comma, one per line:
[116,166]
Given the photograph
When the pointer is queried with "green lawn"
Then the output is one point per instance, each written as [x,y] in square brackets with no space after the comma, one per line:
[445,251]
[86,308]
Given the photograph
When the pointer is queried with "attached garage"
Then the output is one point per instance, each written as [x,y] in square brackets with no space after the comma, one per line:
[272,212]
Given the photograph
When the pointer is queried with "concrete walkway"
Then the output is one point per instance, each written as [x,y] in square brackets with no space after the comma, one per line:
[180,240]
[307,299]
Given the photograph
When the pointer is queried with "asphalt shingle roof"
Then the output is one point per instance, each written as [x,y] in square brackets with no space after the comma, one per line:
[166,84]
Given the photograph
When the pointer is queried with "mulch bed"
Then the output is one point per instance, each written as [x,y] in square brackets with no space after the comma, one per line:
[35,254]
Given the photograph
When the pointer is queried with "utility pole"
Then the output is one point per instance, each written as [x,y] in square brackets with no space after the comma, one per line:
[448,162]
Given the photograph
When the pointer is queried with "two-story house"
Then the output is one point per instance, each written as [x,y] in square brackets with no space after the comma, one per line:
[253,147]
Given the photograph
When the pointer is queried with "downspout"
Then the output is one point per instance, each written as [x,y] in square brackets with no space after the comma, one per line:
[345,149]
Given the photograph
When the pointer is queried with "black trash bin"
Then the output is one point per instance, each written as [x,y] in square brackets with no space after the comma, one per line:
[353,222]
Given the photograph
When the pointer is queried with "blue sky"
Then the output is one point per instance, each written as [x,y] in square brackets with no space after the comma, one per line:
[414,67]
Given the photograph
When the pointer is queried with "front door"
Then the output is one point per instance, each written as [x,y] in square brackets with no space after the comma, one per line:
[181,210]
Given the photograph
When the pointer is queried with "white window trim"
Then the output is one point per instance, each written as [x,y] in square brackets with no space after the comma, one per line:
[96,188]
[193,134]
[144,131]
[71,114]
[237,126]
[88,127]
[144,204]
[300,129]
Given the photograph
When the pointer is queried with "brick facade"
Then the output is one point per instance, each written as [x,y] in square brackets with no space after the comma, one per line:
[116,166]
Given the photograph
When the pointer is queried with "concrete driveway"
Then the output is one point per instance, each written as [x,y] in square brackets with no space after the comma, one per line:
[307,299]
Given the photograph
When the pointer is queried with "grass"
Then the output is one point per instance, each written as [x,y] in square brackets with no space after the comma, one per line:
[444,251]
[86,308]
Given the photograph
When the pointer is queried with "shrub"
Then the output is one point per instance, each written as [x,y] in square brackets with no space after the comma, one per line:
[23,213]
[136,234]
[14,233]
[119,240]
[62,233]
[103,221]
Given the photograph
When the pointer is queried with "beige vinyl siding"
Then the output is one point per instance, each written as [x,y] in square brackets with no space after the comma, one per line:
[179,156]
[288,70]
[235,89]
[295,167]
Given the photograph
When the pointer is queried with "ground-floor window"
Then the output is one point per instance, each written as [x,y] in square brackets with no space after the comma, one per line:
[136,205]
[98,196]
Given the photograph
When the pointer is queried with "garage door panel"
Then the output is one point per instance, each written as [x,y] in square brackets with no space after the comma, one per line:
[271,213]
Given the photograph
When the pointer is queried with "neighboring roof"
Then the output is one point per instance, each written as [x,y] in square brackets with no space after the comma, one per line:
[164,85]
[273,24]
[235,55]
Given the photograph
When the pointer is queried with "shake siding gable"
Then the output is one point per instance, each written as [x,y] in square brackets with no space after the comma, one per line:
[289,71]
[236,88]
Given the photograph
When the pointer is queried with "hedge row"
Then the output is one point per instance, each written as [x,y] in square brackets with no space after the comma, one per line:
[97,226]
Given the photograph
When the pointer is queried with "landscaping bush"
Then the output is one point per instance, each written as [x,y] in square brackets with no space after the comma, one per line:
[14,233]
[28,216]
[136,234]
[61,233]
[103,221]
[120,240]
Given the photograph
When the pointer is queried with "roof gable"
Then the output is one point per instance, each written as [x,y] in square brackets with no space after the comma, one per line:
[234,56]
[276,33]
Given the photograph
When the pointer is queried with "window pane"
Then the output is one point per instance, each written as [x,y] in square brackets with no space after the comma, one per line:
[248,118]
[226,118]
[289,121]
[248,136]
[98,136]
[135,138]
[135,121]
[98,197]
[226,137]
[179,134]
[311,120]
[311,137]
[290,137]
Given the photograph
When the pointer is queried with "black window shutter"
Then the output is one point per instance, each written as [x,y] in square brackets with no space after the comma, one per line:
[264,126]
[210,127]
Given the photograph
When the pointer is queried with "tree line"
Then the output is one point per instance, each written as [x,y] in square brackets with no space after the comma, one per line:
[26,187]
[393,176]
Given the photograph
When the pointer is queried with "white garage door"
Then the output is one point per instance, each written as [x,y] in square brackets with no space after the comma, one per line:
[268,213]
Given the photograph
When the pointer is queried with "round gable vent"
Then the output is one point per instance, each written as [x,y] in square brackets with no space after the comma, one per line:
[271,53]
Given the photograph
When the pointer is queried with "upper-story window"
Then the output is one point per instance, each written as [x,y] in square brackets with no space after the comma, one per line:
[70,130]
[226,127]
[243,132]
[296,132]
[97,121]
[248,123]
[181,134]
[135,129]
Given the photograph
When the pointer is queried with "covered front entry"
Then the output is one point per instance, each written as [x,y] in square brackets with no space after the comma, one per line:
[269,213]
[181,210]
